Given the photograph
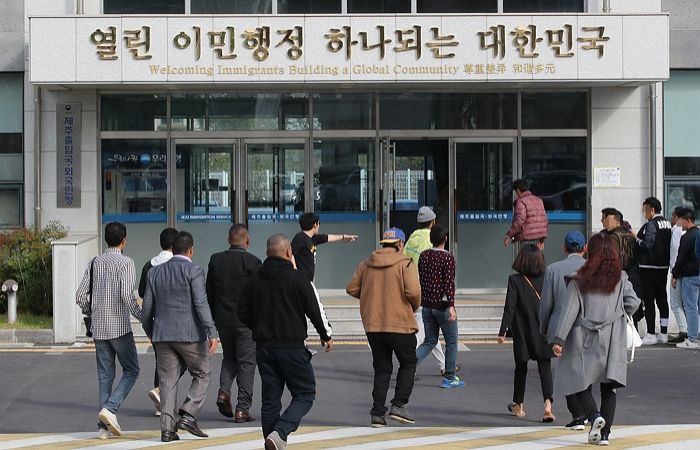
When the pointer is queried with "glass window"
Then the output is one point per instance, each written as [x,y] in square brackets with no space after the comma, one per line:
[556,170]
[683,193]
[457,6]
[204,182]
[11,112]
[231,6]
[309,6]
[682,165]
[189,112]
[681,130]
[526,6]
[275,181]
[378,6]
[554,110]
[10,205]
[144,6]
[134,113]
[457,111]
[134,180]
[343,111]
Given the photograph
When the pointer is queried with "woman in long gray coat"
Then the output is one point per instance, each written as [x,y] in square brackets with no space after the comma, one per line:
[591,338]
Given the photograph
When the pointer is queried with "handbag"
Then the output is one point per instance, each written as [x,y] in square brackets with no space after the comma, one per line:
[633,338]
[87,318]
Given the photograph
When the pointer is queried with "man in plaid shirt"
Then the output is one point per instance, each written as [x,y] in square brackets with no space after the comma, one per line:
[111,301]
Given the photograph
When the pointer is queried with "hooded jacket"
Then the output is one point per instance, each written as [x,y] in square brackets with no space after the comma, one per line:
[275,303]
[162,257]
[389,291]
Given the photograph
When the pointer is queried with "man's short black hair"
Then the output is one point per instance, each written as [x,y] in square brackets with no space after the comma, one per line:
[521,185]
[677,209]
[653,203]
[438,235]
[182,243]
[612,212]
[308,220]
[166,238]
[115,233]
[687,214]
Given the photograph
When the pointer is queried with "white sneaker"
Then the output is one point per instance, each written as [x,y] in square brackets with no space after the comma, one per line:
[650,339]
[108,418]
[662,338]
[688,344]
[103,434]
[157,413]
[154,395]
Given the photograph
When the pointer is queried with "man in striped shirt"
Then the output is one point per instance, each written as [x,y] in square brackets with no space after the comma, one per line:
[106,292]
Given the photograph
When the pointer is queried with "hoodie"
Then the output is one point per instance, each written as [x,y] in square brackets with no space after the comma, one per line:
[389,291]
[162,257]
[275,303]
[417,243]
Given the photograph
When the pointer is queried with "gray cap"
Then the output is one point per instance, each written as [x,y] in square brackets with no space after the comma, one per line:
[425,214]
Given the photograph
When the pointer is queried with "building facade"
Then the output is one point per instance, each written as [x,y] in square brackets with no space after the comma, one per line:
[200,113]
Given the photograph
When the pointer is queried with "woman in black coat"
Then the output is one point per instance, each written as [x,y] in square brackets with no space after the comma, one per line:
[520,314]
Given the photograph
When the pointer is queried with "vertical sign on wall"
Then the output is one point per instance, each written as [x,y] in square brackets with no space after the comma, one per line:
[68,126]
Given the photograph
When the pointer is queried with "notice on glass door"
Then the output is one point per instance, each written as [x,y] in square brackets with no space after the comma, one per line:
[606,177]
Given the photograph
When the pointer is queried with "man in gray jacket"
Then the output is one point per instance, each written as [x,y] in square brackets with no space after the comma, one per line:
[177,319]
[551,304]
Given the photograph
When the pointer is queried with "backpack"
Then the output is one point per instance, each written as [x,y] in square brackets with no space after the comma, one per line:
[627,247]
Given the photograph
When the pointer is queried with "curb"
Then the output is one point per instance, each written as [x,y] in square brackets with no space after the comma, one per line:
[20,335]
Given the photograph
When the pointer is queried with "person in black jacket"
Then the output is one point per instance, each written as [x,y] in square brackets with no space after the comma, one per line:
[275,304]
[687,270]
[654,240]
[228,272]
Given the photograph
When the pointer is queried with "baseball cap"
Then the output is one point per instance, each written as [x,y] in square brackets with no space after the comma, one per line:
[393,235]
[574,241]
[425,214]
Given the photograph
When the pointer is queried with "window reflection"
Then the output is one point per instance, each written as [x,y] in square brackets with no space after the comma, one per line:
[683,193]
[343,111]
[457,6]
[231,6]
[542,110]
[518,6]
[10,205]
[275,179]
[144,6]
[134,113]
[309,6]
[378,6]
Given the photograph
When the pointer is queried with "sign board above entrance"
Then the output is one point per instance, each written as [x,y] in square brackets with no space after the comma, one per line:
[348,49]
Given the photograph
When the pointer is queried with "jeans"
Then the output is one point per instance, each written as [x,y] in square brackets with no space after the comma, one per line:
[124,349]
[420,337]
[654,289]
[279,367]
[384,346]
[238,364]
[677,307]
[691,292]
[435,320]
[544,368]
[608,402]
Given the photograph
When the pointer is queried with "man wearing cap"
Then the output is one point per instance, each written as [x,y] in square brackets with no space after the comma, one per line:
[389,291]
[551,305]
[417,244]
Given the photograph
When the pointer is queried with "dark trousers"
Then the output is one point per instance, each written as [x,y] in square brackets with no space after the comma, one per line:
[608,401]
[574,407]
[544,368]
[384,346]
[280,367]
[238,364]
[654,289]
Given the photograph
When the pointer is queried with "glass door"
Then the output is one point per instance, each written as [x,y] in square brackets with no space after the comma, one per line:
[276,193]
[482,211]
[205,194]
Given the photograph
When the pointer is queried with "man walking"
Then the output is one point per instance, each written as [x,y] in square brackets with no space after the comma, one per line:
[177,320]
[389,291]
[274,304]
[529,225]
[106,293]
[654,240]
[687,270]
[228,273]
[552,304]
[676,302]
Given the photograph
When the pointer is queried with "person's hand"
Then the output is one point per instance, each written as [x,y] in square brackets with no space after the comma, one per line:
[506,241]
[453,314]
[500,339]
[349,237]
[213,343]
[674,282]
[328,344]
[557,349]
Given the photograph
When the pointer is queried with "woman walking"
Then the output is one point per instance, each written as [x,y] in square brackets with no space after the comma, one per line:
[591,338]
[520,314]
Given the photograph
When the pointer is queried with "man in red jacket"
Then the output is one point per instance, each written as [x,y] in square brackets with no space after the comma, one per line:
[529,217]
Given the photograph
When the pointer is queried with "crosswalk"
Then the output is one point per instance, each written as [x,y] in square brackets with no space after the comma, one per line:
[648,437]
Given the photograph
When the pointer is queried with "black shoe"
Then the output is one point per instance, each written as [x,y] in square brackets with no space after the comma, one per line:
[578,424]
[223,402]
[169,436]
[400,413]
[189,424]
[677,339]
[378,421]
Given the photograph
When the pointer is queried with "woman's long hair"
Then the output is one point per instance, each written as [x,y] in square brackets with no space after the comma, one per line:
[602,269]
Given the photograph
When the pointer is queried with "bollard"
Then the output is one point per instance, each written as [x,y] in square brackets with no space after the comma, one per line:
[10,286]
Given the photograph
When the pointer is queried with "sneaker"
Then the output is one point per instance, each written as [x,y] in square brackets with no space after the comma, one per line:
[662,338]
[650,339]
[578,424]
[400,414]
[103,434]
[604,439]
[516,409]
[453,383]
[688,344]
[594,435]
[154,395]
[378,421]
[109,419]
[677,339]
[273,441]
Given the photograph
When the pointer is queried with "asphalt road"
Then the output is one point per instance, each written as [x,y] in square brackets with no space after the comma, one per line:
[57,392]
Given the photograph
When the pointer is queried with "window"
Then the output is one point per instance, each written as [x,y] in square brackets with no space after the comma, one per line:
[457,6]
[554,110]
[378,6]
[134,113]
[309,6]
[144,6]
[343,111]
[231,6]
[681,123]
[11,112]
[534,6]
[10,205]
